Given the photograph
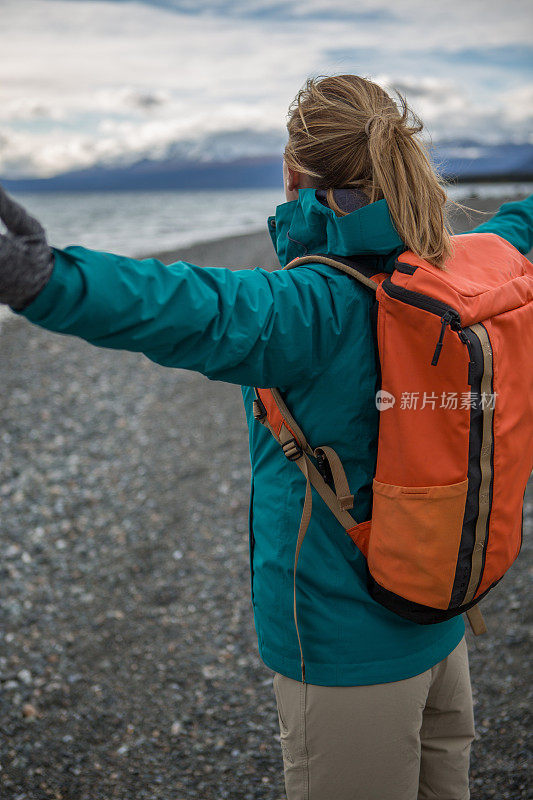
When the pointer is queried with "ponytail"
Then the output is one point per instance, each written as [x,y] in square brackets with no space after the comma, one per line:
[345,131]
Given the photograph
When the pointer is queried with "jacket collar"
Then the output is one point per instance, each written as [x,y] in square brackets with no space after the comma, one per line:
[305,226]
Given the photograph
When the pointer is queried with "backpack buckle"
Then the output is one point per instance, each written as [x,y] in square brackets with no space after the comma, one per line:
[323,465]
[259,411]
[292,449]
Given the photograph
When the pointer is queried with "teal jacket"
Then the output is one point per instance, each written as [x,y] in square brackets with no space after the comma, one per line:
[307,331]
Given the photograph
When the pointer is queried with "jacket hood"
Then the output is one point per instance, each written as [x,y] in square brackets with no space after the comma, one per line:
[306,226]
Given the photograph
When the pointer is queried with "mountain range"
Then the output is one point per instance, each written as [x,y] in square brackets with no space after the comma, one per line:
[459,160]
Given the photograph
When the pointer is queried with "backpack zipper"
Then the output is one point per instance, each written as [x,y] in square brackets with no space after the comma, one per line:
[475,440]
[448,315]
[486,464]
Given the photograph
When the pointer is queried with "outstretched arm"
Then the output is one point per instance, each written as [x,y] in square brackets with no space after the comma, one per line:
[246,326]
[26,260]
[513,222]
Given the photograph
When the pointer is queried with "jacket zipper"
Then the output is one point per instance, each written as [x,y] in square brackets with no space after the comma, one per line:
[448,315]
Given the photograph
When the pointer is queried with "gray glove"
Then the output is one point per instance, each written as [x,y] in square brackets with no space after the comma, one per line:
[26,261]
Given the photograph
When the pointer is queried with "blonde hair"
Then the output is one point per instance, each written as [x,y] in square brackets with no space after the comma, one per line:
[345,131]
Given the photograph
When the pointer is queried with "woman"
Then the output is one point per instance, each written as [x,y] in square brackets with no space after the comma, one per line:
[385,710]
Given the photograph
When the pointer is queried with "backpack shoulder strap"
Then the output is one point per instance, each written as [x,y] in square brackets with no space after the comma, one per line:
[364,272]
[271,411]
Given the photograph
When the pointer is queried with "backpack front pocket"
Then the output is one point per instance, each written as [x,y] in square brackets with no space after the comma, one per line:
[415,538]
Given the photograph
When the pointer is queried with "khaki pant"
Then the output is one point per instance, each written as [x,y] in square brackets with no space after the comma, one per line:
[404,740]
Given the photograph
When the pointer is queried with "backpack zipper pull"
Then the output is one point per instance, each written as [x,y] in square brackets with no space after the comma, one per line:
[445,320]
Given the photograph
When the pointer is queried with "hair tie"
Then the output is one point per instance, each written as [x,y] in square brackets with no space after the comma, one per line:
[369,122]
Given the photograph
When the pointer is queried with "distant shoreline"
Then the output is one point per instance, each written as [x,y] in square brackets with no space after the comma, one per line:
[56,185]
[251,249]
[255,249]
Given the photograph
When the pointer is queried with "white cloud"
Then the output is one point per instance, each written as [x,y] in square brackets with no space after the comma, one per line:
[449,113]
[518,106]
[87,81]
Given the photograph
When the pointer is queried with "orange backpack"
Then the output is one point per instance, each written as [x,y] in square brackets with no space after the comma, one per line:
[454,349]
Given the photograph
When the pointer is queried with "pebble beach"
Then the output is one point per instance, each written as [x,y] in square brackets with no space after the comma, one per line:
[128,658]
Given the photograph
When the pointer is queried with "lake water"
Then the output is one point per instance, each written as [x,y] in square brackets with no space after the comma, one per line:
[141,223]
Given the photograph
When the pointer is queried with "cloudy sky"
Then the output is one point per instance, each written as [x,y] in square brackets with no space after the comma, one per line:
[111,81]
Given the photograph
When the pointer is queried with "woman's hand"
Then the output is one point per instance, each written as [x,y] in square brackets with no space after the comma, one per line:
[26,261]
